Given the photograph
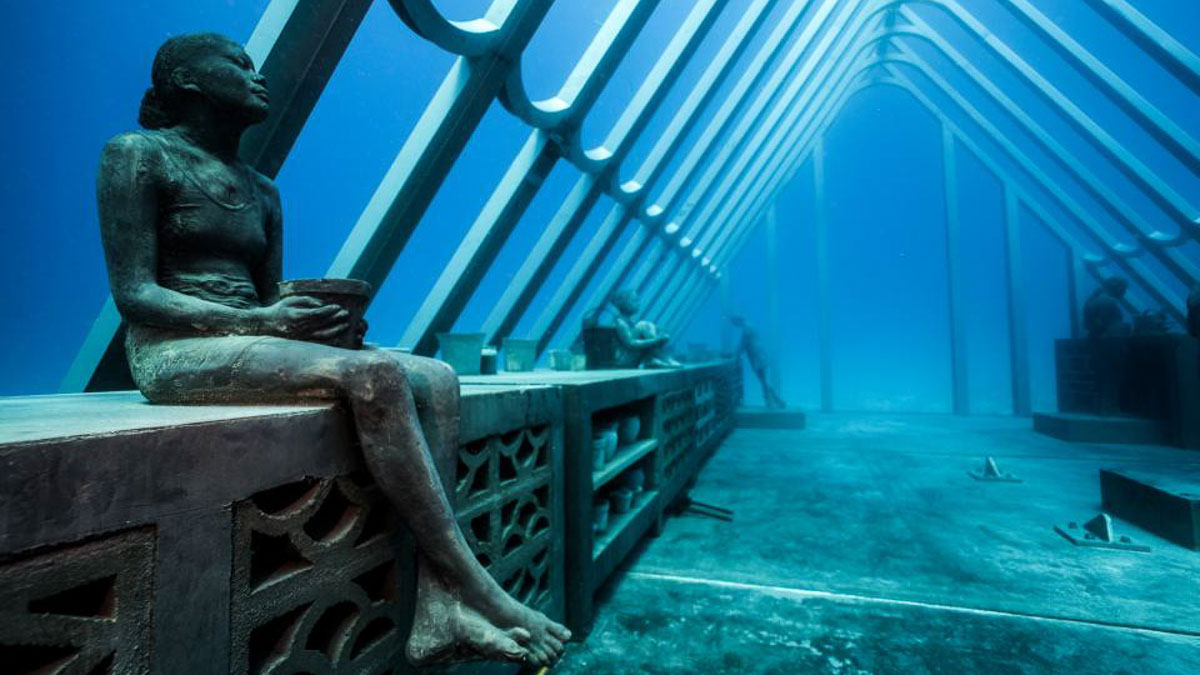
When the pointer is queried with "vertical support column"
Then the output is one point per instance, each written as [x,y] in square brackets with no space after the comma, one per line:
[726,312]
[1075,278]
[824,289]
[958,330]
[774,330]
[1018,337]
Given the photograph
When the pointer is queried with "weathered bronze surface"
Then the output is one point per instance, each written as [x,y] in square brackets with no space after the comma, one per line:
[639,342]
[751,345]
[192,239]
[1102,315]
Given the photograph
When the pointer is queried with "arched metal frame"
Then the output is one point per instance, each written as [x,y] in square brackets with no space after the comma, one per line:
[816,56]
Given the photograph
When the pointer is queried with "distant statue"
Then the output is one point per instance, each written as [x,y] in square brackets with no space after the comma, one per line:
[1102,315]
[1193,312]
[751,345]
[193,241]
[639,343]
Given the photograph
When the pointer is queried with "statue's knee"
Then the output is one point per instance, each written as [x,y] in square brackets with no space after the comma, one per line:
[444,377]
[645,330]
[375,375]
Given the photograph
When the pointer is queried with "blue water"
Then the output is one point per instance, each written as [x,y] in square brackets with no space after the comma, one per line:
[74,74]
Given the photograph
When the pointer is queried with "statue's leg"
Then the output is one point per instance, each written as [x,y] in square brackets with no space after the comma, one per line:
[466,613]
[436,395]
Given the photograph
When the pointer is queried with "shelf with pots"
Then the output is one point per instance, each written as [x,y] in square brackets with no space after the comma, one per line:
[631,442]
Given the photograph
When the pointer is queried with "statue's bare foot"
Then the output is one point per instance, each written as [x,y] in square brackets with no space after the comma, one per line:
[445,630]
[546,637]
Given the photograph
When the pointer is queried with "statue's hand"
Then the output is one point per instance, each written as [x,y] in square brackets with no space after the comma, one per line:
[304,318]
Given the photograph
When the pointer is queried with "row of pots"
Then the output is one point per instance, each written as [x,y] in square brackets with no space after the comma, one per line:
[467,354]
[608,437]
[620,500]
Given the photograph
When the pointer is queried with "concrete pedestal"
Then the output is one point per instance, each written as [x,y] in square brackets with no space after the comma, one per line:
[1164,502]
[766,418]
[1078,428]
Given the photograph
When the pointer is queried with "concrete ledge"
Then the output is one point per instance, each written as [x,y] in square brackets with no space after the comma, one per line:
[1167,504]
[1078,428]
[764,418]
[260,520]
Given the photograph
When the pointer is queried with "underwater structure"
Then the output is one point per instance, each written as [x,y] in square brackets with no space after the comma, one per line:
[529,336]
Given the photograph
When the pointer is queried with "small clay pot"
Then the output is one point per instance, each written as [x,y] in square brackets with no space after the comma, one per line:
[599,452]
[600,517]
[627,430]
[519,354]
[351,295]
[621,500]
[611,448]
[488,361]
[561,359]
[463,351]
[636,481]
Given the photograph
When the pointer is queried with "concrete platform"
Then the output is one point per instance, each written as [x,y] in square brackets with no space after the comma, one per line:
[767,418]
[1078,428]
[861,546]
[1165,502]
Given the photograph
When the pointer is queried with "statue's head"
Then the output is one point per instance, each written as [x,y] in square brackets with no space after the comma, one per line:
[1116,286]
[203,69]
[626,300]
[737,320]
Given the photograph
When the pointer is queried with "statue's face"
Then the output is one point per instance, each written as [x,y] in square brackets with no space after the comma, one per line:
[226,76]
[628,303]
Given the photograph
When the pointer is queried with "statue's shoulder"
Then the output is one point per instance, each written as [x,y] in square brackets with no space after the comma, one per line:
[141,148]
[137,140]
[264,183]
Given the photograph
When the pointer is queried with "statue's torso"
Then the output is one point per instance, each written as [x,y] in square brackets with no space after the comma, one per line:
[752,346]
[212,225]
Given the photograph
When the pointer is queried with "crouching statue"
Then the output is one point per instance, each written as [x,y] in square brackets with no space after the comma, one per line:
[193,242]
[640,343]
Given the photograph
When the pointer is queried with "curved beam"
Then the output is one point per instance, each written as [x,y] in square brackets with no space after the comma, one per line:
[564,112]
[464,38]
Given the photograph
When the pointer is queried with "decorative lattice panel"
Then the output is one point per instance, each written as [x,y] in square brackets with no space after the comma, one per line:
[502,496]
[316,586]
[679,430]
[84,608]
[707,415]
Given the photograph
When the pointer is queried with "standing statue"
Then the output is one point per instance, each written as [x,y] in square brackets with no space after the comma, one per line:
[751,345]
[1102,315]
[639,343]
[193,242]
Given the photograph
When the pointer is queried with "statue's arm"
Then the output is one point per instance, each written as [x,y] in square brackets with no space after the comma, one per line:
[127,194]
[270,273]
[632,342]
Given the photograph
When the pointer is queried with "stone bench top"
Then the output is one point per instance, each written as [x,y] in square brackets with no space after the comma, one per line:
[33,419]
[582,377]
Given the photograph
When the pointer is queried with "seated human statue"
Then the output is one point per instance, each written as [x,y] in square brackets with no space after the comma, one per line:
[640,344]
[193,243]
[1102,314]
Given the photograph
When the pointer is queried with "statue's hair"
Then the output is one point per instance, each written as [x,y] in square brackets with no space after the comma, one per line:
[625,294]
[1115,284]
[163,101]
